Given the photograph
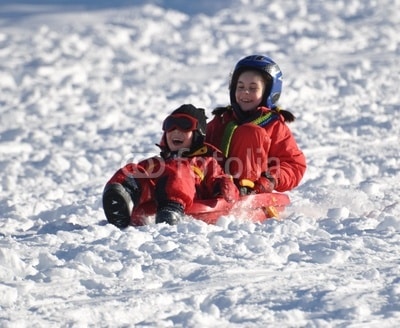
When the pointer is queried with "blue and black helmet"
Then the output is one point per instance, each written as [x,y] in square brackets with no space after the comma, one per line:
[271,73]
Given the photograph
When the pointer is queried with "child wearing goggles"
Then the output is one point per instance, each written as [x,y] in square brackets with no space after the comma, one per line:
[166,185]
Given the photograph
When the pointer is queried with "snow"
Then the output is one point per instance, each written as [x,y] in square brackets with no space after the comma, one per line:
[84,88]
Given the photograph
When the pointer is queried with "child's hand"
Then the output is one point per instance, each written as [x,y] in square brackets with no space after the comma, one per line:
[263,185]
[227,188]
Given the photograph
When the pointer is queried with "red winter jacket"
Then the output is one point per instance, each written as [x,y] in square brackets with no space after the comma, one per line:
[263,145]
[178,179]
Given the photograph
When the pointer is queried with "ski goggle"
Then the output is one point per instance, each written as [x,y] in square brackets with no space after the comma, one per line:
[182,122]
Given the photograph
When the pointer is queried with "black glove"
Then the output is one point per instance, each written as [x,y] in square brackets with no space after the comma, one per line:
[170,212]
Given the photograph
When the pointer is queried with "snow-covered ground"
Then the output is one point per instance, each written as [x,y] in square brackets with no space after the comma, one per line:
[84,89]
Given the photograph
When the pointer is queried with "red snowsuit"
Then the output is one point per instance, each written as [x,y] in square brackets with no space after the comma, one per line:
[263,145]
[180,179]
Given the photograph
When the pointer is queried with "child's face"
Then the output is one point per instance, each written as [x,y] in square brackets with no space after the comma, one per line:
[178,139]
[249,90]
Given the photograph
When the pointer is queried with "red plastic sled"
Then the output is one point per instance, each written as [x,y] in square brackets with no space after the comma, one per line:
[255,208]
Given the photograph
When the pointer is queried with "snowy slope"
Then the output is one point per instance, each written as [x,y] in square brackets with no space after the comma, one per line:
[84,89]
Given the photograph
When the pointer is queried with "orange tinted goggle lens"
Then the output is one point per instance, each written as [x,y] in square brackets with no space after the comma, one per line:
[182,122]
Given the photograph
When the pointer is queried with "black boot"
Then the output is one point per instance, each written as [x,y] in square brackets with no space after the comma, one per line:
[117,205]
[170,213]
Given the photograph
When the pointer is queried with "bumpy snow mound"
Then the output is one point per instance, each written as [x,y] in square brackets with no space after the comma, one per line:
[84,92]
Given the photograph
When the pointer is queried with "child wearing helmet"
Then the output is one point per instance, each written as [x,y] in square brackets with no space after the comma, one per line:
[262,153]
[187,169]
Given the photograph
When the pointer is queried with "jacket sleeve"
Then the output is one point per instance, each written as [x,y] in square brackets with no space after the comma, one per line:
[216,183]
[212,172]
[176,183]
[286,162]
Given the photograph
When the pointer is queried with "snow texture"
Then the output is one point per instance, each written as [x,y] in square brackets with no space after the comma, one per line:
[84,87]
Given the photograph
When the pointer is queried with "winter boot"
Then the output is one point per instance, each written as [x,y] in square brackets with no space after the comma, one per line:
[170,213]
[117,205]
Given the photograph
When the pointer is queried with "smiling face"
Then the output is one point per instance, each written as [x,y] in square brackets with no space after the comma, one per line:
[178,139]
[249,90]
